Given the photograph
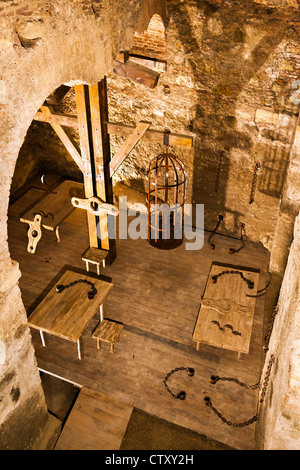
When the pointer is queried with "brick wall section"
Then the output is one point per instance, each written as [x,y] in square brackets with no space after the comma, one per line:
[152,42]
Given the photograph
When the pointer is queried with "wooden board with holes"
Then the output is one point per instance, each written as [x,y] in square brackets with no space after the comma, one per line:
[56,205]
[68,313]
[226,314]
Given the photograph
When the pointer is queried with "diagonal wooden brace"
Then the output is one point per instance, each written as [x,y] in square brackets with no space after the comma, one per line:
[128,146]
[66,140]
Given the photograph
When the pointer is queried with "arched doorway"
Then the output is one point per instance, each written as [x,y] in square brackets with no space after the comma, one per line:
[81,50]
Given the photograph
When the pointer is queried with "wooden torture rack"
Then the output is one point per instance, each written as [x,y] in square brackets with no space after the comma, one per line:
[94,156]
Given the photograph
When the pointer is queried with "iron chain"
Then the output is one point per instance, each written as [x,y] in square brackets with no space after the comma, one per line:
[237,250]
[248,281]
[267,378]
[91,293]
[226,421]
[270,329]
[254,182]
[215,378]
[212,245]
[220,156]
[181,395]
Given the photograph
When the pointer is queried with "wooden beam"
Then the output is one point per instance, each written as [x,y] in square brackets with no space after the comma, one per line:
[123,56]
[66,140]
[176,140]
[136,73]
[66,120]
[82,103]
[128,146]
[156,64]
[101,145]
[118,128]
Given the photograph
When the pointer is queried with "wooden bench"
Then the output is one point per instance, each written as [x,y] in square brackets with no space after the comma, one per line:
[109,332]
[226,312]
[95,256]
[50,212]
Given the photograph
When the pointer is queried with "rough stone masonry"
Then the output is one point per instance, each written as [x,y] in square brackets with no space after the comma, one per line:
[229,81]
[42,45]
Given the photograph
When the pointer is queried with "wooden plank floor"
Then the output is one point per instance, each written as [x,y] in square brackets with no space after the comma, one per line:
[156,295]
[96,422]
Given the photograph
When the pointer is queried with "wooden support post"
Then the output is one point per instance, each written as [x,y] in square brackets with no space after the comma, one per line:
[84,126]
[92,112]
[101,144]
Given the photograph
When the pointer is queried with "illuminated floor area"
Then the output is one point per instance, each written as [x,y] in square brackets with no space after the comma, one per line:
[156,295]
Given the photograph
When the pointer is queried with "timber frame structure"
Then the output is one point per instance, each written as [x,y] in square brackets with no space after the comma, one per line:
[94,157]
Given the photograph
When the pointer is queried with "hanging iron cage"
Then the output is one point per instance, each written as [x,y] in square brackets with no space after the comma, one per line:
[165,199]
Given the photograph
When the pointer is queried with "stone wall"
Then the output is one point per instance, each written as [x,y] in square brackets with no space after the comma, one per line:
[229,83]
[43,44]
[231,69]
[279,427]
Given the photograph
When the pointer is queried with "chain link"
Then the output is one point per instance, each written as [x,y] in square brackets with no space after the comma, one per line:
[248,281]
[91,293]
[220,156]
[214,379]
[207,402]
[254,182]
[212,245]
[181,395]
[267,378]
[237,250]
[270,329]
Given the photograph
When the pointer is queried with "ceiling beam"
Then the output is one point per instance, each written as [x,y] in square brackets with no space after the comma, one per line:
[54,118]
[151,135]
[117,128]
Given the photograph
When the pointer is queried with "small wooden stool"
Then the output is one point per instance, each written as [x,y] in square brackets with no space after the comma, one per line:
[95,256]
[109,332]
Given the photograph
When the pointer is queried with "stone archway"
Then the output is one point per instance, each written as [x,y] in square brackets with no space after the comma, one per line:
[68,42]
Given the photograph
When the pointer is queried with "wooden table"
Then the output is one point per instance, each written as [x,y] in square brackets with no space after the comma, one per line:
[95,256]
[54,208]
[109,332]
[226,313]
[68,313]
